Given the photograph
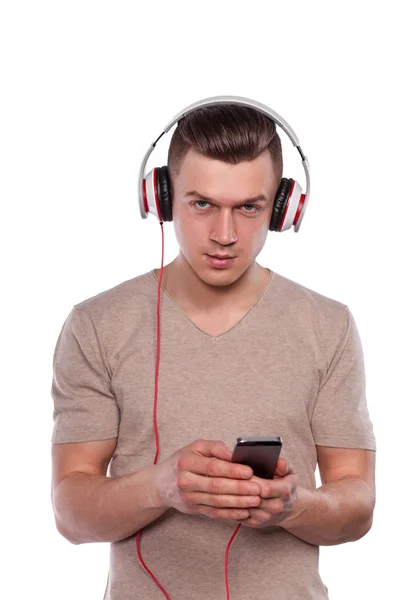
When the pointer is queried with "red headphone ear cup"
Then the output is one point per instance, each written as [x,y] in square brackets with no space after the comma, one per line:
[164,197]
[280,202]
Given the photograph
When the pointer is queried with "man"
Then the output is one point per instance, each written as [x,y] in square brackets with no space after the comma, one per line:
[244,351]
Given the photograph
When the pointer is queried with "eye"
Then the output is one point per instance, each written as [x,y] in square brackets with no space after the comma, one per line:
[200,202]
[253,207]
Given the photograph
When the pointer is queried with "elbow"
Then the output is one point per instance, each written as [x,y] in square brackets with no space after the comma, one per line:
[365,527]
[65,534]
[369,517]
[62,518]
[362,527]
[366,515]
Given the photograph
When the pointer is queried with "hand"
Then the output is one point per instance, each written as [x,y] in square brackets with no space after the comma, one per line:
[277,498]
[200,479]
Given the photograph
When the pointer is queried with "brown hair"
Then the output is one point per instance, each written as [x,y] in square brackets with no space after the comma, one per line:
[229,132]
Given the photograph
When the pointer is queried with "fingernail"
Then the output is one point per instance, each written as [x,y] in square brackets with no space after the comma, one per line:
[254,488]
[245,472]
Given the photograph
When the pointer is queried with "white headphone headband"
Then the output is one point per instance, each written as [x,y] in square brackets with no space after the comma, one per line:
[215,100]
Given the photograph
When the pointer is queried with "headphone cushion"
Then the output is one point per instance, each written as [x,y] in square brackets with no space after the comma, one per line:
[280,202]
[164,193]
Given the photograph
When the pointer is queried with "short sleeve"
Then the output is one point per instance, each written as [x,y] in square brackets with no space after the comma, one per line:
[340,416]
[85,408]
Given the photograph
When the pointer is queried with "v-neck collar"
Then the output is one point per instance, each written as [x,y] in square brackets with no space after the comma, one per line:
[245,316]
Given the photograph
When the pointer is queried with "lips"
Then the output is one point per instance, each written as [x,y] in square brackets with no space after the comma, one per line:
[220,263]
[221,257]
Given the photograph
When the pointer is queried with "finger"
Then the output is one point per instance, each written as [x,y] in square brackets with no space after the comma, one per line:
[230,514]
[212,467]
[276,488]
[273,507]
[261,516]
[221,501]
[250,522]
[192,482]
[283,468]
[212,449]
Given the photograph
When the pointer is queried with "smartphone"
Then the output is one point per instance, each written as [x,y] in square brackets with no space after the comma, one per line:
[259,453]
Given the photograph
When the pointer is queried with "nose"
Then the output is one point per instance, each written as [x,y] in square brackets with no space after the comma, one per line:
[223,228]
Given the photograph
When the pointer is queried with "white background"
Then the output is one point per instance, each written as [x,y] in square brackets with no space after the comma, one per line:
[86,87]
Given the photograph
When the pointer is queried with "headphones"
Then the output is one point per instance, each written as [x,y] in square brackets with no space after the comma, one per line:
[289,203]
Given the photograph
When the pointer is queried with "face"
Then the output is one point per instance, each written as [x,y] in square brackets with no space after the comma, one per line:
[225,209]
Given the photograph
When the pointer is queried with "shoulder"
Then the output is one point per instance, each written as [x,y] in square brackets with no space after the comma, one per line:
[295,292]
[310,308]
[126,299]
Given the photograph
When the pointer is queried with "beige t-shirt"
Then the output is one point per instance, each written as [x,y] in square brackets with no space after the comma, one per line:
[291,367]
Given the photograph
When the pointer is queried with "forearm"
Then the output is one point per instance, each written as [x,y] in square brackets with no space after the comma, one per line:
[95,508]
[337,512]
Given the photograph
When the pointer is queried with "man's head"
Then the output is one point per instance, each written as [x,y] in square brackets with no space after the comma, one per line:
[225,166]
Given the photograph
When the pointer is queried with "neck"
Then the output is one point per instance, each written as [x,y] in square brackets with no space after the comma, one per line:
[187,288]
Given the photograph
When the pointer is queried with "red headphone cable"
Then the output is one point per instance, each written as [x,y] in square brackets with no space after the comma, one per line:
[138,536]
[139,533]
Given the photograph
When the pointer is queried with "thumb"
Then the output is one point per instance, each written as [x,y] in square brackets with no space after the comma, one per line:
[283,468]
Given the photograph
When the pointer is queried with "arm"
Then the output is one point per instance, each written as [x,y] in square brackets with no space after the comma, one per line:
[91,507]
[198,479]
[341,510]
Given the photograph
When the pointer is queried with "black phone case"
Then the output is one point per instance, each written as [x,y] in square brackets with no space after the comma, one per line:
[261,455]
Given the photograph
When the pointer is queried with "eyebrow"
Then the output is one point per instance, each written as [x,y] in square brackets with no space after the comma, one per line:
[194,193]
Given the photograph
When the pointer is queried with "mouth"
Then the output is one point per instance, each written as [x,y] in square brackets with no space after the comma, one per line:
[220,261]
[221,256]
